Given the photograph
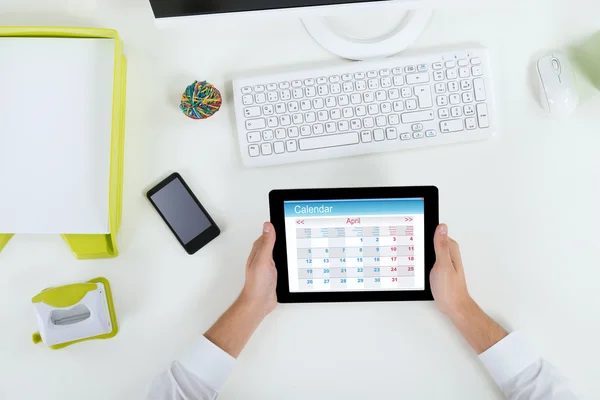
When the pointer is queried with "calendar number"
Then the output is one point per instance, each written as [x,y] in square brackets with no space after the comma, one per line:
[411,248]
[394,258]
[411,258]
[309,281]
[359,269]
[377,270]
[309,261]
[326,281]
[394,279]
[326,260]
[343,270]
[360,280]
[309,271]
[394,239]
[359,259]
[377,239]
[326,250]
[393,248]
[326,271]
[309,251]
[376,259]
[411,238]
[377,280]
[394,269]
[411,269]
[343,280]
[376,248]
[342,260]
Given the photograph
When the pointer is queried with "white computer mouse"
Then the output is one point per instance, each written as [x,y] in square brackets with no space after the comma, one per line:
[558,92]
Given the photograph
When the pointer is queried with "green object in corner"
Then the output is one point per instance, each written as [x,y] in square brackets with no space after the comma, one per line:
[69,296]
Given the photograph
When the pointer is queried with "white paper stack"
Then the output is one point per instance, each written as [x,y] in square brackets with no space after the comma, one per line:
[55,133]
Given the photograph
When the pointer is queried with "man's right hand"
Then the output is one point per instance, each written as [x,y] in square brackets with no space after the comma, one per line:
[448,282]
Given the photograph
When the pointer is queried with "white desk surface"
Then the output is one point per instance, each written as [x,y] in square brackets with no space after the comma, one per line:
[523,206]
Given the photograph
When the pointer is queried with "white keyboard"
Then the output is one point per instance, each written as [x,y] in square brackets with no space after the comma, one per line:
[365,107]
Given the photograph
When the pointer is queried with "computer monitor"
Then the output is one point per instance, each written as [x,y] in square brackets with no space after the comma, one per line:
[168,11]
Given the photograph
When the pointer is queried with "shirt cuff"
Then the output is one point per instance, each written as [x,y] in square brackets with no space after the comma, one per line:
[508,358]
[209,363]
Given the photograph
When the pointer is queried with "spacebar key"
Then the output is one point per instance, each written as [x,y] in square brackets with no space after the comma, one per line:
[418,116]
[343,139]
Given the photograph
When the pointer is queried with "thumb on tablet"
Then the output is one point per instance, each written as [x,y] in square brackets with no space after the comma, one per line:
[267,239]
[441,244]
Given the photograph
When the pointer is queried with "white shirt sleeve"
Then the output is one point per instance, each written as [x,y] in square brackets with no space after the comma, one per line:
[522,374]
[199,375]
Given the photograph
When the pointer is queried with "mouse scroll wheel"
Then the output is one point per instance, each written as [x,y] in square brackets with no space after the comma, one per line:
[556,65]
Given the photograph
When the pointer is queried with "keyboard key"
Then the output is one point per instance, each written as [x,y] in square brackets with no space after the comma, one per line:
[423,94]
[418,116]
[398,106]
[467,97]
[272,86]
[348,87]
[361,111]
[417,78]
[330,102]
[280,133]
[422,67]
[335,113]
[266,149]
[440,88]
[450,64]
[451,74]
[385,108]
[443,113]
[258,123]
[406,92]
[267,135]
[381,95]
[405,136]
[418,135]
[438,75]
[463,63]
[452,86]
[323,115]
[466,84]
[398,80]
[284,85]
[378,135]
[393,94]
[272,96]
[280,108]
[451,125]
[365,136]
[310,117]
[437,65]
[386,82]
[343,126]
[397,71]
[298,93]
[297,119]
[259,88]
[369,97]
[359,75]
[441,101]
[246,90]
[410,69]
[253,150]
[293,106]
[355,98]
[248,99]
[479,86]
[417,127]
[253,137]
[381,120]
[322,80]
[475,61]
[297,84]
[470,123]
[385,72]
[268,109]
[371,74]
[343,100]
[430,133]
[411,104]
[293,131]
[305,105]
[373,84]
[305,130]
[309,82]
[347,77]
[291,146]
[483,116]
[477,70]
[456,112]
[334,79]
[309,91]
[251,112]
[355,124]
[391,133]
[323,90]
[348,112]
[318,129]
[469,110]
[278,147]
[455,98]
[393,119]
[369,122]
[318,104]
[285,120]
[463,72]
[286,95]
[321,142]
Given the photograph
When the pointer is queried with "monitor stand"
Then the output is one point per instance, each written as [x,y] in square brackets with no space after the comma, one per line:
[405,34]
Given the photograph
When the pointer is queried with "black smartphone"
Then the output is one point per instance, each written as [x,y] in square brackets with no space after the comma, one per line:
[182,212]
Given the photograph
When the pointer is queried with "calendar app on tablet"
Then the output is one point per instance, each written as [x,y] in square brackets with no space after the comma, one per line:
[355,245]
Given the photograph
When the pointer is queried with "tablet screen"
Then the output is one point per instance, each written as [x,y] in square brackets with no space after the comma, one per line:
[355,245]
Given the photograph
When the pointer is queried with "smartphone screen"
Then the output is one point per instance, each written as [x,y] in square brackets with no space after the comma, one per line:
[183,213]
